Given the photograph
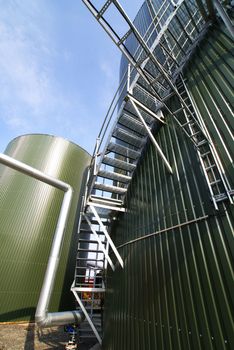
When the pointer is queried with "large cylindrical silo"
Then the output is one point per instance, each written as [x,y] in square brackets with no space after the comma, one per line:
[29,211]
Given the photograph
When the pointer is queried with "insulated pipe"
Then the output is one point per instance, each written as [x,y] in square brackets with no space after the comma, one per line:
[42,317]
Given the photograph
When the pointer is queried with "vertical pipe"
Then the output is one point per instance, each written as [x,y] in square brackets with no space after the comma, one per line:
[42,317]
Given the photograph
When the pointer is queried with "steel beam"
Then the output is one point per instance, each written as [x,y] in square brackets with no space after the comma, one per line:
[100,242]
[151,136]
[107,235]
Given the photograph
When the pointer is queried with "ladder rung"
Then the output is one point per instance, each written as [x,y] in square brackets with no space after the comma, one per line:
[205,154]
[178,110]
[210,167]
[191,122]
[201,143]
[195,134]
[215,182]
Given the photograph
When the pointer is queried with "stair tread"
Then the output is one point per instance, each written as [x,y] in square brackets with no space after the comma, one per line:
[114,176]
[110,199]
[132,124]
[127,137]
[123,151]
[110,188]
[118,163]
[93,241]
[89,250]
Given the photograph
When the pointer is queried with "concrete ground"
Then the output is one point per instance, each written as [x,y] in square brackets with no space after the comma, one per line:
[28,337]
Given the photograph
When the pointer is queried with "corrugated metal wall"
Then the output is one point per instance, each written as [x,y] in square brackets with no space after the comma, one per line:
[176,290]
[29,212]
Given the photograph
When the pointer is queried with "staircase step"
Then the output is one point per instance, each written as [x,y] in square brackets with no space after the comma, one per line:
[86,284]
[113,201]
[132,124]
[114,176]
[109,188]
[89,250]
[88,259]
[81,240]
[89,232]
[116,163]
[128,138]
[129,109]
[89,267]
[123,151]
[95,222]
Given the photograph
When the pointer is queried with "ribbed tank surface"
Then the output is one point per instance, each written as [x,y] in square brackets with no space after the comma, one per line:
[29,211]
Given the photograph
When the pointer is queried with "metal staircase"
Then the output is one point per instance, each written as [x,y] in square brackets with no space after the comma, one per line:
[153,75]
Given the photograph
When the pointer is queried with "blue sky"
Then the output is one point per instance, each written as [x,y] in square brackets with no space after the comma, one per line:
[58,69]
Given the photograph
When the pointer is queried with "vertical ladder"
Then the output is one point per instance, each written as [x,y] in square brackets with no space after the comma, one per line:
[195,128]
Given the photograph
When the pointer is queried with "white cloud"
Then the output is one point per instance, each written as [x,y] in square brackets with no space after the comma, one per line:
[108,70]
[17,123]
[50,78]
[23,76]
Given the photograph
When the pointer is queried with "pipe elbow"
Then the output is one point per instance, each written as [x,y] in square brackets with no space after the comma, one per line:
[59,318]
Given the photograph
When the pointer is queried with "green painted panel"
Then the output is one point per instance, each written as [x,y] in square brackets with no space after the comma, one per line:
[176,289]
[29,211]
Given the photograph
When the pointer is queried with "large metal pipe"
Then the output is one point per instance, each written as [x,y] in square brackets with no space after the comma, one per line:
[42,317]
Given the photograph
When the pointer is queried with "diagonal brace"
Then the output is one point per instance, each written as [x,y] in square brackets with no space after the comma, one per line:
[100,243]
[107,235]
[86,315]
[151,136]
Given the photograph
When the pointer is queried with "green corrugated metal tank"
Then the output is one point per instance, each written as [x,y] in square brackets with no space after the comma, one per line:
[176,288]
[29,210]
